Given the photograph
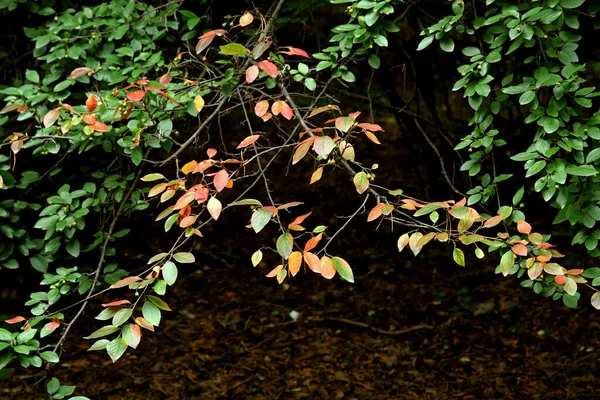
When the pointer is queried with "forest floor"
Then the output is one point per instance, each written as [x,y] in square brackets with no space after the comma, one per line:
[407,329]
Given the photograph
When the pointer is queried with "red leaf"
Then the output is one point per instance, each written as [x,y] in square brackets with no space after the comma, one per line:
[51,117]
[560,279]
[269,68]
[116,303]
[166,79]
[206,39]
[293,51]
[248,141]
[370,127]
[220,180]
[79,72]
[376,212]
[91,103]
[138,95]
[523,227]
[100,127]
[300,219]
[211,152]
[286,111]
[53,325]
[14,320]
[252,73]
[261,108]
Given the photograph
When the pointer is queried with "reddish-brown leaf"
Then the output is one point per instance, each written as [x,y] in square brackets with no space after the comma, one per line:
[269,68]
[252,73]
[138,95]
[15,320]
[79,72]
[248,141]
[116,303]
[220,180]
[51,117]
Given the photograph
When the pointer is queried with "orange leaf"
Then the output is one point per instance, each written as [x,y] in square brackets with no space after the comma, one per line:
[286,111]
[312,242]
[248,141]
[295,262]
[220,180]
[15,320]
[267,117]
[523,227]
[560,279]
[493,221]
[327,269]
[91,103]
[51,117]
[116,303]
[100,127]
[252,73]
[166,79]
[302,149]
[376,212]
[157,189]
[246,19]
[79,72]
[370,127]
[188,221]
[275,271]
[300,219]
[261,108]
[575,271]
[316,175]
[141,321]
[125,282]
[313,262]
[519,250]
[269,68]
[138,95]
[372,137]
[89,119]
[189,167]
[184,200]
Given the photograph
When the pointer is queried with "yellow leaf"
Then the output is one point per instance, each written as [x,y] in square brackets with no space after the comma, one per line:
[199,102]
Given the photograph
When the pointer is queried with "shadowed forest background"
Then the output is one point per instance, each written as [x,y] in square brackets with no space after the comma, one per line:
[408,328]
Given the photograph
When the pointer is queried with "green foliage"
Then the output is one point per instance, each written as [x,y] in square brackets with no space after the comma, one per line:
[98,130]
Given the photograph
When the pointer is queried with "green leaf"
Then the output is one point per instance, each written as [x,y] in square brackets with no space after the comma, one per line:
[32,76]
[151,313]
[136,156]
[374,61]
[49,356]
[122,316]
[116,348]
[99,345]
[256,258]
[425,43]
[233,49]
[458,256]
[260,218]
[427,209]
[104,331]
[52,386]
[184,258]
[26,336]
[169,272]
[447,44]
[527,97]
[5,335]
[343,268]
[73,247]
[571,3]
[506,262]
[580,170]
[159,303]
[285,243]
[152,177]
[246,202]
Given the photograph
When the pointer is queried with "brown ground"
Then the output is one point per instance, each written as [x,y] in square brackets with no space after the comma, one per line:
[405,330]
